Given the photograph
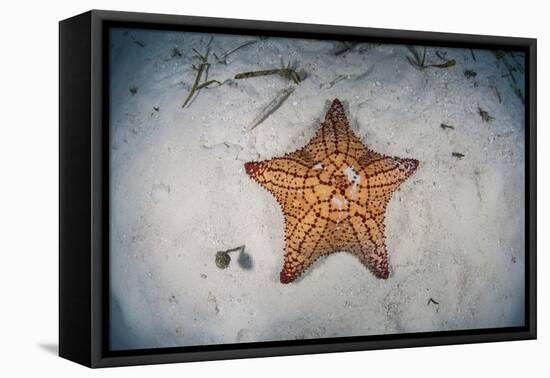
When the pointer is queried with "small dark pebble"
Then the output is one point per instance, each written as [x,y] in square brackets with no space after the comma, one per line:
[513,259]
[203,275]
[133,91]
[470,73]
[156,108]
[222,259]
[445,126]
[458,155]
[176,52]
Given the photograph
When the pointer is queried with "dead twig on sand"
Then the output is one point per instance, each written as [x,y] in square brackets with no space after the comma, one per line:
[418,60]
[344,47]
[445,126]
[431,300]
[513,65]
[222,59]
[202,70]
[270,108]
[288,72]
[137,42]
[485,116]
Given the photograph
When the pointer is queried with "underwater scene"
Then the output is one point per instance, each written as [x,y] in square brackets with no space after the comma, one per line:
[268,189]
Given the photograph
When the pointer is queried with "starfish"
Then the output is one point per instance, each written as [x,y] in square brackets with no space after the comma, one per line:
[333,193]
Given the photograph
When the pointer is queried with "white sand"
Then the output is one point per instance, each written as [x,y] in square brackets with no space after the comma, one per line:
[179,192]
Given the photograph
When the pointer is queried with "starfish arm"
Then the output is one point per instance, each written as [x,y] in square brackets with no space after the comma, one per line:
[334,135]
[303,245]
[371,247]
[368,156]
[284,177]
[292,267]
[384,175]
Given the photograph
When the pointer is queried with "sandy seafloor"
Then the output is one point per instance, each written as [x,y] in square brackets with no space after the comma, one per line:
[179,192]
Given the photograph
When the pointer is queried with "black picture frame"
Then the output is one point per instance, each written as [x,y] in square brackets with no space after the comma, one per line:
[84,193]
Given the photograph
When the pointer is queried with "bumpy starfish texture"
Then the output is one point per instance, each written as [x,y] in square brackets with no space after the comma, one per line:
[333,193]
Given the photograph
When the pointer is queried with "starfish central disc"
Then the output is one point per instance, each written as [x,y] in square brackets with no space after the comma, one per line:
[333,193]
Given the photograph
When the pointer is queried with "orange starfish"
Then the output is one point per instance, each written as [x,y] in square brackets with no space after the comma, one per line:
[333,193]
